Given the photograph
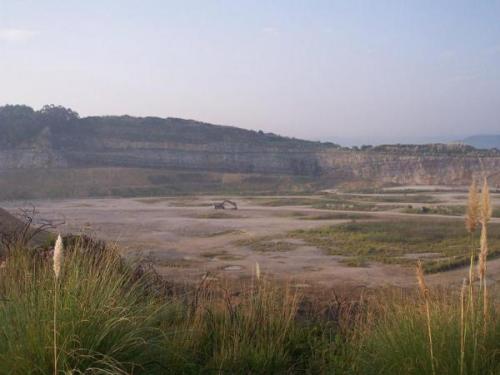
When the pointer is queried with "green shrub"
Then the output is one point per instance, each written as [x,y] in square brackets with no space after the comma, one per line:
[105,322]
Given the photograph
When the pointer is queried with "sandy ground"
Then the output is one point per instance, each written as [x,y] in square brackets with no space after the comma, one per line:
[184,243]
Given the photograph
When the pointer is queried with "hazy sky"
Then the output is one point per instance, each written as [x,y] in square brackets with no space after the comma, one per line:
[315,69]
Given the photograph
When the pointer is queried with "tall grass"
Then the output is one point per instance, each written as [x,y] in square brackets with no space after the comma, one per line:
[254,330]
[396,340]
[105,322]
[58,259]
[448,333]
[107,319]
[424,291]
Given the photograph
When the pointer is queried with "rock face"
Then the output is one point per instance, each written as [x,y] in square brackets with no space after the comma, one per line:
[150,143]
[410,169]
[57,138]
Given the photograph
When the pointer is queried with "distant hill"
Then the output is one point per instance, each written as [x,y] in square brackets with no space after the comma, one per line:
[57,137]
[54,153]
[484,141]
[63,127]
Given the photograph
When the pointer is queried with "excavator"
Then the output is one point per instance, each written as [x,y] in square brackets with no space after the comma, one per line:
[222,205]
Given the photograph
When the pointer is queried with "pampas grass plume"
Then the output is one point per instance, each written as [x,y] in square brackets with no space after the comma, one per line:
[472,218]
[257,270]
[58,259]
[58,256]
[424,290]
[483,255]
[485,203]
[485,217]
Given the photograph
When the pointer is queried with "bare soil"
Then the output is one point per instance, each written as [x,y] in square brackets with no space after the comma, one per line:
[187,239]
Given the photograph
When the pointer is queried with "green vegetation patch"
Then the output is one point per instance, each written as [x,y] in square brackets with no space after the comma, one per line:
[351,205]
[221,255]
[400,241]
[333,202]
[288,201]
[452,210]
[354,262]
[395,198]
[267,244]
[337,216]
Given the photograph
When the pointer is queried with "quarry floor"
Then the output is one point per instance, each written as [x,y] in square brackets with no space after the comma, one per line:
[186,239]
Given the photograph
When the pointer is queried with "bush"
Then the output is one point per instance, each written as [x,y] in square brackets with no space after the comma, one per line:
[105,321]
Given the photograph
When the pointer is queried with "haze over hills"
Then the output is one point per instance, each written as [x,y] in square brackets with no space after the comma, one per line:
[484,141]
[384,139]
[53,152]
[479,141]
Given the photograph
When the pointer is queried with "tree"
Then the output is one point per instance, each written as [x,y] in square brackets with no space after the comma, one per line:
[17,124]
[58,113]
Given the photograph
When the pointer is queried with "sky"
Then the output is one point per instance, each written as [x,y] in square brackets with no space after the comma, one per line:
[354,71]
